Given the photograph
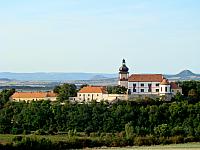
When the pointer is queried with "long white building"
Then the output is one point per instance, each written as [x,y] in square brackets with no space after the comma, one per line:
[146,84]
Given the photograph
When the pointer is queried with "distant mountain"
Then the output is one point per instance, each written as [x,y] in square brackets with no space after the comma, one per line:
[5,79]
[99,77]
[184,75]
[55,76]
[83,77]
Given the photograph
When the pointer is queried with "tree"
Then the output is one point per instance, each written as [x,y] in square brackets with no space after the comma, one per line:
[116,90]
[192,93]
[83,85]
[65,91]
[129,130]
[5,96]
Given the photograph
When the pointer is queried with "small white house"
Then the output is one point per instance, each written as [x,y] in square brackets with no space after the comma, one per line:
[97,93]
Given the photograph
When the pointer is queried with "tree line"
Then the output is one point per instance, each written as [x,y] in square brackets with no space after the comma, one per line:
[145,118]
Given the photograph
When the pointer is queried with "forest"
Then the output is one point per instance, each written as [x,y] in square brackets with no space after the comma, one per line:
[132,121]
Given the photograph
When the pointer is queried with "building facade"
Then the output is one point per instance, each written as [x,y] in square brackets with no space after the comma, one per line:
[97,93]
[146,84]
[33,96]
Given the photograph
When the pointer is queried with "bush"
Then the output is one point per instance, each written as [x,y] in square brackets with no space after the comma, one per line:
[40,132]
[148,140]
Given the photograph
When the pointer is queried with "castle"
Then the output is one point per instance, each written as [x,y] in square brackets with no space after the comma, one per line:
[147,85]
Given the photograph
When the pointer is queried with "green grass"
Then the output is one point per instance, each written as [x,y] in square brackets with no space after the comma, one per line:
[187,146]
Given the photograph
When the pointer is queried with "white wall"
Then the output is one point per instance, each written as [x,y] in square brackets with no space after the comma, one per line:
[90,96]
[145,87]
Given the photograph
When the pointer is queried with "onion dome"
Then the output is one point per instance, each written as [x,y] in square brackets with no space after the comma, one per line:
[123,68]
[165,82]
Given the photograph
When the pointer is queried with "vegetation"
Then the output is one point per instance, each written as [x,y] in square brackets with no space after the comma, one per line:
[144,122]
[65,91]
[116,90]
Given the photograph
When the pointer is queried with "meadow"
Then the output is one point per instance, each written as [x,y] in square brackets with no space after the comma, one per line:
[188,146]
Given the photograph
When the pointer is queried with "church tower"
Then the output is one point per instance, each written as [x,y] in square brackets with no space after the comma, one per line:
[123,75]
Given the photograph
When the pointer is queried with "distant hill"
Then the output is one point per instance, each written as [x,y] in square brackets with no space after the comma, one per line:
[55,76]
[86,78]
[184,75]
[5,79]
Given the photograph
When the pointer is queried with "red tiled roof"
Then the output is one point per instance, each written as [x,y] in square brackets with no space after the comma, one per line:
[174,85]
[165,82]
[33,94]
[146,78]
[93,89]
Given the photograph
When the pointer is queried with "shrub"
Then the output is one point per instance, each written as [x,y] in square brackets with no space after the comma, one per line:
[40,132]
[148,140]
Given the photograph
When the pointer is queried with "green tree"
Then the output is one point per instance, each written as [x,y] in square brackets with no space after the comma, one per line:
[65,91]
[129,130]
[116,90]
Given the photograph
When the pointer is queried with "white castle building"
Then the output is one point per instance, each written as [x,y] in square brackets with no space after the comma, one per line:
[146,84]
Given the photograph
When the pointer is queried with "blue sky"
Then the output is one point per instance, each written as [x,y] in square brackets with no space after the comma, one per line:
[154,36]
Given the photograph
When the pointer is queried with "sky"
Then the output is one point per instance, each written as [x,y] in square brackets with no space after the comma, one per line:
[154,36]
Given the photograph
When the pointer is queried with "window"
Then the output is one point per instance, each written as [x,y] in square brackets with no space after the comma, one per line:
[149,85]
[97,94]
[134,85]
[88,94]
[142,90]
[157,90]
[172,90]
[157,84]
[161,89]
[88,99]
[134,90]
[79,94]
[165,89]
[142,84]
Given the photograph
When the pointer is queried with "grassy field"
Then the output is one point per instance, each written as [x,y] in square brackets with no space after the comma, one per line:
[188,146]
[7,138]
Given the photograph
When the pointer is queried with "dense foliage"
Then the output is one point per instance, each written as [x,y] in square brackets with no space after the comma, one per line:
[116,90]
[139,121]
[164,119]
[65,91]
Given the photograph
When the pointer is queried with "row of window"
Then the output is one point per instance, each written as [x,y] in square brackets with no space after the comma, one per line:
[88,94]
[142,90]
[149,85]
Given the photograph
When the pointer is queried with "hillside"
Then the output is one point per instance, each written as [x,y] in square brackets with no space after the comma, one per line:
[184,75]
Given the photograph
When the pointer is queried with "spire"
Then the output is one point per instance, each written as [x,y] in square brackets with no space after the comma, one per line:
[123,68]
[123,62]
